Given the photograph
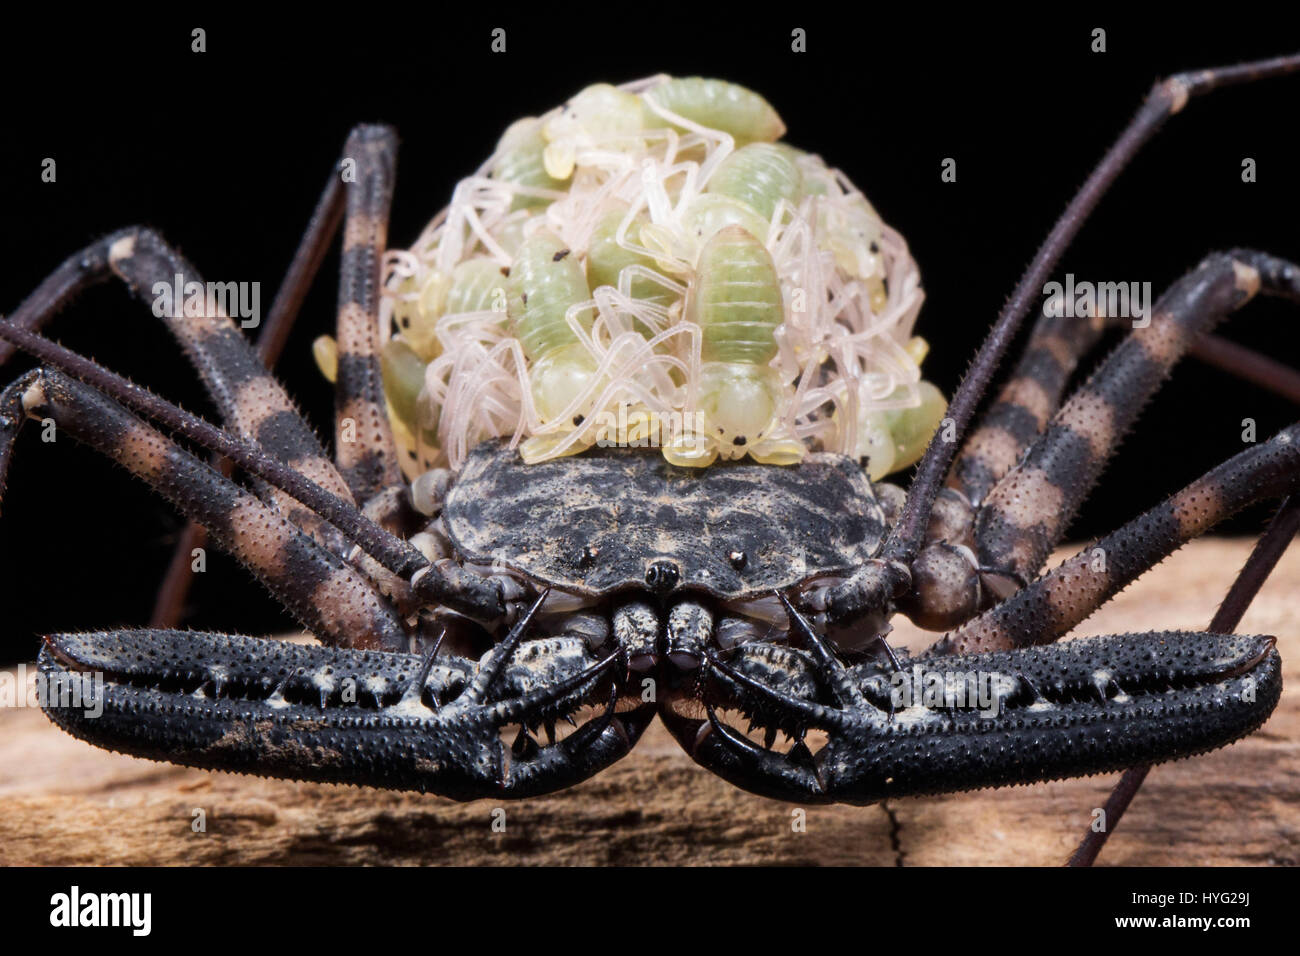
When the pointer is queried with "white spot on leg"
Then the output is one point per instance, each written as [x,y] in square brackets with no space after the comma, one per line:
[33,397]
[1247,277]
[323,679]
[1178,94]
[124,248]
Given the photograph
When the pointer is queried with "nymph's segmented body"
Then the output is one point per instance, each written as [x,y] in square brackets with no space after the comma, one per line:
[520,160]
[478,285]
[736,301]
[546,282]
[633,273]
[716,104]
[761,176]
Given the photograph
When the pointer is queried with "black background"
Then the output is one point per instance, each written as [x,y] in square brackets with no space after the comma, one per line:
[225,153]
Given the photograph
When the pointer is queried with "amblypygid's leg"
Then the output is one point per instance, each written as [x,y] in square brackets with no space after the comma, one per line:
[250,400]
[364,448]
[1249,365]
[1263,559]
[439,582]
[881,581]
[1024,406]
[946,585]
[1027,512]
[328,596]
[979,553]
[1069,593]
[433,722]
[169,604]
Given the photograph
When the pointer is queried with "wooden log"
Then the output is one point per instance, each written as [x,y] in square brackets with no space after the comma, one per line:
[64,802]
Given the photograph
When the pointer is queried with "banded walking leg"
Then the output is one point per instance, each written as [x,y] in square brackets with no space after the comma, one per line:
[889,576]
[364,449]
[994,549]
[1033,392]
[328,596]
[363,442]
[1025,405]
[1071,592]
[169,602]
[1263,559]
[441,582]
[946,586]
[250,400]
[1030,509]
